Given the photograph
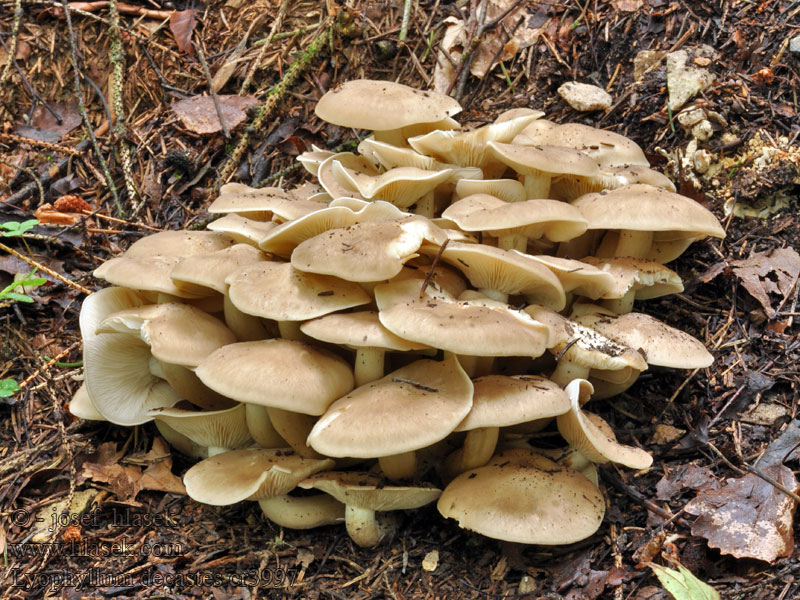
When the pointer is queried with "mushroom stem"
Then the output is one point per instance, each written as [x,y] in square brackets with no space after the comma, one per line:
[567,370]
[189,387]
[290,330]
[261,428]
[303,512]
[294,428]
[635,244]
[214,450]
[479,445]
[366,528]
[425,206]
[621,306]
[537,186]
[368,365]
[494,294]
[399,466]
[246,328]
[513,241]
[155,368]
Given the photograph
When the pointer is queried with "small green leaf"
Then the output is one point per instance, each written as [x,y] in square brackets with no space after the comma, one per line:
[8,387]
[16,297]
[15,228]
[31,281]
[682,585]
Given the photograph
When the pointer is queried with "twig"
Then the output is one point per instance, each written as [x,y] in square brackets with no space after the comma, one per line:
[30,173]
[46,367]
[46,270]
[34,94]
[276,25]
[435,262]
[756,472]
[14,39]
[202,57]
[82,107]
[406,18]
[276,95]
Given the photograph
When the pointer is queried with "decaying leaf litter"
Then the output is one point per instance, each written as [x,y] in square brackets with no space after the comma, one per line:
[741,297]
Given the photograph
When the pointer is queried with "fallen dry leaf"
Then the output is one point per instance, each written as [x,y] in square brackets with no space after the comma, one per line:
[770,272]
[682,584]
[48,216]
[71,203]
[124,481]
[689,476]
[159,476]
[44,126]
[748,517]
[626,5]
[199,114]
[449,55]
[182,24]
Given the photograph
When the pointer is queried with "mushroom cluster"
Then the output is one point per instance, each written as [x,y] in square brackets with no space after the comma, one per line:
[416,314]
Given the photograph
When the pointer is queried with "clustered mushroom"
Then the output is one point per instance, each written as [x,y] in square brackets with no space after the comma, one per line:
[436,299]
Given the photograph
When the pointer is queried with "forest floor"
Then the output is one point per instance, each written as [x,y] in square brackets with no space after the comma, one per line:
[728,432]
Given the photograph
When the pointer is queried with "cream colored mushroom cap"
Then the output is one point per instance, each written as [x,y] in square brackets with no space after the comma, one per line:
[402,186]
[507,190]
[590,435]
[551,219]
[242,229]
[176,333]
[522,503]
[281,292]
[116,365]
[500,400]
[210,270]
[605,147]
[219,428]
[554,160]
[661,344]
[595,351]
[249,474]
[507,272]
[441,278]
[383,105]
[369,491]
[279,373]
[641,207]
[372,251]
[179,243]
[81,406]
[360,329]
[648,278]
[261,204]
[579,277]
[411,408]
[146,273]
[475,327]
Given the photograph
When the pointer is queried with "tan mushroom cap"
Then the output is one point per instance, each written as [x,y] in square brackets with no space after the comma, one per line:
[391,157]
[360,329]
[641,207]
[249,474]
[411,408]
[506,272]
[373,251]
[605,147]
[383,105]
[196,273]
[278,373]
[507,190]
[595,351]
[281,292]
[544,504]
[661,344]
[261,204]
[443,278]
[555,160]
[117,365]
[242,229]
[146,273]
[476,327]
[312,159]
[533,219]
[522,111]
[333,183]
[569,187]
[286,237]
[220,429]
[179,243]
[579,277]
[648,279]
[593,437]
[370,491]
[81,406]
[402,186]
[501,400]
[176,333]
[469,148]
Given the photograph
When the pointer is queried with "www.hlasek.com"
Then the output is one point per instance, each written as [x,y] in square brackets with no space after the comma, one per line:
[96,549]
[96,578]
